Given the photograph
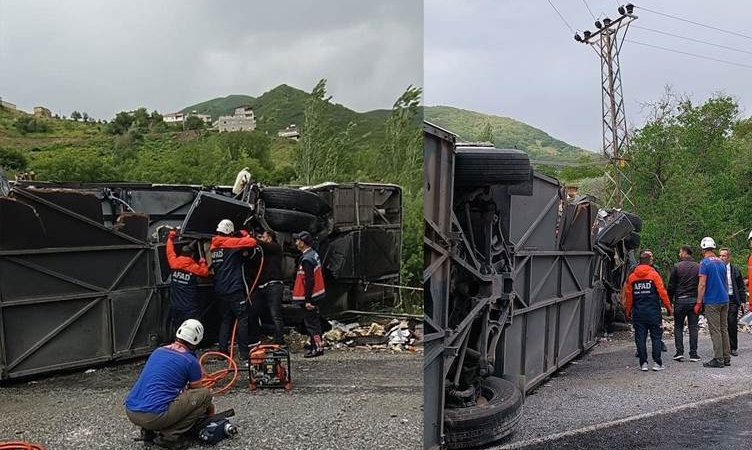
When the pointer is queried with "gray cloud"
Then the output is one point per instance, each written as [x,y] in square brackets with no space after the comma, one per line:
[107,56]
[518,59]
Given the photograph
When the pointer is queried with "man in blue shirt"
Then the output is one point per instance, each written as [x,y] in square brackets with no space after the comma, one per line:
[167,399]
[713,291]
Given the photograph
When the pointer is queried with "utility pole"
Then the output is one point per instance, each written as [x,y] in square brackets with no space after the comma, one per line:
[607,42]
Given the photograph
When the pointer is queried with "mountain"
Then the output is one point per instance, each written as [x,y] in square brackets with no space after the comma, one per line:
[284,105]
[508,133]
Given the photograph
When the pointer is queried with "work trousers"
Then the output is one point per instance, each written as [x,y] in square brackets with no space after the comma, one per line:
[268,297]
[641,329]
[682,311]
[181,415]
[733,325]
[177,317]
[717,315]
[312,322]
[233,306]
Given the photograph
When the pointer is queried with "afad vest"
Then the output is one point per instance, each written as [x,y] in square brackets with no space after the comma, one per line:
[298,290]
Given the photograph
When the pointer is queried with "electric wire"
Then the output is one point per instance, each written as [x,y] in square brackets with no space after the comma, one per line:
[673,50]
[588,8]
[722,30]
[562,17]
[700,41]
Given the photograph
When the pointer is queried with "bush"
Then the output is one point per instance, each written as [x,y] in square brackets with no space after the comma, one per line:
[12,160]
[28,124]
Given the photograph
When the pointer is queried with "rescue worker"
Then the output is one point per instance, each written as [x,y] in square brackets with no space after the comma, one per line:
[167,399]
[682,290]
[230,289]
[712,290]
[268,295]
[308,290]
[644,294]
[736,295]
[184,302]
[749,270]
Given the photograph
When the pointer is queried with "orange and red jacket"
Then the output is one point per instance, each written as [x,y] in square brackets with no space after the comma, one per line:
[645,292]
[183,283]
[227,260]
[309,281]
[749,281]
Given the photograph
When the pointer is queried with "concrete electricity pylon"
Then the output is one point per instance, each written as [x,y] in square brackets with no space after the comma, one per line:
[607,42]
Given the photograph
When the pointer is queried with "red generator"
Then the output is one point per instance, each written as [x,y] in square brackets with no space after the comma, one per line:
[269,367]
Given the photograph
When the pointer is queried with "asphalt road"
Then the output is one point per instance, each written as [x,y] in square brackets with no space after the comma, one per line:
[602,401]
[724,425]
[347,399]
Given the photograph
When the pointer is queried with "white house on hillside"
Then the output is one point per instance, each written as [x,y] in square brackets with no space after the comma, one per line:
[242,120]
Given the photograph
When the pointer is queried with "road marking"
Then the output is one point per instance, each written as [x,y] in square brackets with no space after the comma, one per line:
[600,426]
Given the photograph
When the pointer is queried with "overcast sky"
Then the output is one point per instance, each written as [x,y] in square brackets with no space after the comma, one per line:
[518,59]
[104,56]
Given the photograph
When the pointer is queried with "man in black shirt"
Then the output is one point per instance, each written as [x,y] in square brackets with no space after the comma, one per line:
[682,291]
[269,292]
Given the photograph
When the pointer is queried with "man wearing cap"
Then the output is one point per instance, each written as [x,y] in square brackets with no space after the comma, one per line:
[308,290]
[713,292]
[167,399]
[227,253]
[268,295]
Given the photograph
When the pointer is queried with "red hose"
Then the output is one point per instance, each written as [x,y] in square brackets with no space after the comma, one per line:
[20,445]
[211,379]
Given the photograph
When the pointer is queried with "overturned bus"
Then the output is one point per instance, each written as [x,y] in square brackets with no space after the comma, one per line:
[83,273]
[518,282]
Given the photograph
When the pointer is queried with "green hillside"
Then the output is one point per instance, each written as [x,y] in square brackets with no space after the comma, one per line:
[284,105]
[508,133]
[59,149]
[220,106]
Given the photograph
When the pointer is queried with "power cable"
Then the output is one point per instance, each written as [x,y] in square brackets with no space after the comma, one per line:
[691,54]
[692,39]
[562,17]
[569,164]
[722,30]
[588,8]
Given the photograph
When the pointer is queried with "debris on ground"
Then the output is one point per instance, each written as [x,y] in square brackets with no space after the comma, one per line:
[396,335]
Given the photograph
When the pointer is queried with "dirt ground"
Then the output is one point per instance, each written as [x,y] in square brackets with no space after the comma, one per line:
[346,399]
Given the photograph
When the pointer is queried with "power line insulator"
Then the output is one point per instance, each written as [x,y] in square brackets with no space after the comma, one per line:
[577,37]
[587,34]
[606,21]
[630,8]
[621,10]
[598,24]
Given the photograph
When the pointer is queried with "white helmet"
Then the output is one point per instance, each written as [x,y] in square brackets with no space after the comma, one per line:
[190,331]
[750,235]
[707,243]
[225,226]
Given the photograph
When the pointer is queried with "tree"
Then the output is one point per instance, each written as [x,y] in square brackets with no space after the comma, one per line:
[120,124]
[689,175]
[323,153]
[141,119]
[194,123]
[486,135]
[75,115]
[402,148]
[85,116]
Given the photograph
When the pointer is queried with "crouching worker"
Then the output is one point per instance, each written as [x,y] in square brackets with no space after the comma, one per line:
[167,399]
